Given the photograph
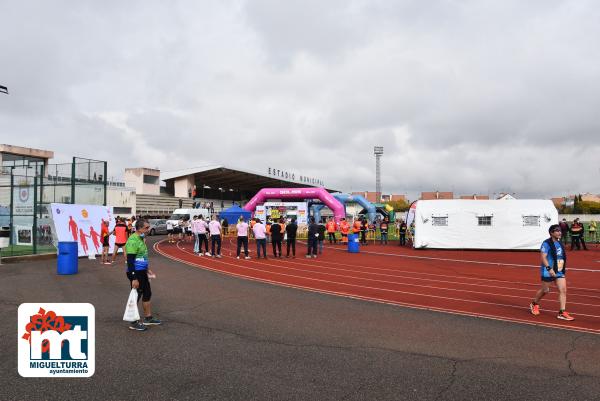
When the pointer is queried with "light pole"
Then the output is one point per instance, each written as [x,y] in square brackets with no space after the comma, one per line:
[378,150]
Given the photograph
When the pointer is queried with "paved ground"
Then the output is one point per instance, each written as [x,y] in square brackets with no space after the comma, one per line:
[229,339]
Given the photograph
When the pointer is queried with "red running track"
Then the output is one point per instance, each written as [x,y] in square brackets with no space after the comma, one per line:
[494,285]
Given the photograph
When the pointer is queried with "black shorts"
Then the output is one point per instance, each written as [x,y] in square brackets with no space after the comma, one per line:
[170,231]
[120,244]
[105,242]
[144,290]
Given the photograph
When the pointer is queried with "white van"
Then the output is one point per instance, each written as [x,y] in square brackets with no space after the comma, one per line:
[187,214]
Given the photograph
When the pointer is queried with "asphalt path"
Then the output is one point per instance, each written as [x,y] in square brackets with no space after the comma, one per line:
[226,338]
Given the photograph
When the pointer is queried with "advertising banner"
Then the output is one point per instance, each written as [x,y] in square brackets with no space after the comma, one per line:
[287,210]
[83,224]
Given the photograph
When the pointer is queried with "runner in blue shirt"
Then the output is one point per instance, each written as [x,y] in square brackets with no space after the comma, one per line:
[553,269]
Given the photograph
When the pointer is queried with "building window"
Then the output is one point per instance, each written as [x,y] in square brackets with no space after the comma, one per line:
[484,220]
[531,221]
[150,179]
[121,210]
[439,220]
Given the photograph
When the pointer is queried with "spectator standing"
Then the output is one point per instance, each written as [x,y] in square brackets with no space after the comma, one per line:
[321,237]
[290,230]
[364,227]
[214,228]
[225,227]
[120,233]
[196,222]
[268,229]
[242,237]
[383,230]
[105,236]
[277,237]
[170,231]
[313,239]
[331,229]
[402,228]
[577,234]
[564,229]
[345,230]
[593,227]
[202,230]
[260,234]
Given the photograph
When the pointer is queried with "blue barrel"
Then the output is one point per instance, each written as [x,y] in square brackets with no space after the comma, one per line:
[67,261]
[353,244]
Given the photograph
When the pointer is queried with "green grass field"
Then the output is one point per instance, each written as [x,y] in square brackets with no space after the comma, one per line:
[20,250]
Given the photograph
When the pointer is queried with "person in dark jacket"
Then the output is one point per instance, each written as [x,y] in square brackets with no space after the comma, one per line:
[402,228]
[564,229]
[313,239]
[364,227]
[277,237]
[291,230]
[321,238]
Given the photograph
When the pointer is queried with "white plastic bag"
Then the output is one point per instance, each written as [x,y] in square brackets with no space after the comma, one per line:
[131,309]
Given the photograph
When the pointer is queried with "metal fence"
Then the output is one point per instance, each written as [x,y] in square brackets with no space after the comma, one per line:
[26,193]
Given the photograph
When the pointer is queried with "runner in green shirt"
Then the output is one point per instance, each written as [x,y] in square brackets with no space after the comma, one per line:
[138,273]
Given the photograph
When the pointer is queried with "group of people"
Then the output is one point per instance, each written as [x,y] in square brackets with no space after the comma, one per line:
[576,231]
[122,231]
[362,227]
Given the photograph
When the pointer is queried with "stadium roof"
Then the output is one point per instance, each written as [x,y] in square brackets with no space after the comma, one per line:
[220,176]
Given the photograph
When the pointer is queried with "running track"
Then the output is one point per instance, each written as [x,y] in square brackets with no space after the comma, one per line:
[494,285]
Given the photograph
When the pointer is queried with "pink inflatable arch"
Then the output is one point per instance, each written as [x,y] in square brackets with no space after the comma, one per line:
[298,193]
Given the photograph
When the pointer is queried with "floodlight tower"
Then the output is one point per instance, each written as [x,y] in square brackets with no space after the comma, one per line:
[378,153]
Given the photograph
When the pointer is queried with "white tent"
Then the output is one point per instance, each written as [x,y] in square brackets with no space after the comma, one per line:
[483,224]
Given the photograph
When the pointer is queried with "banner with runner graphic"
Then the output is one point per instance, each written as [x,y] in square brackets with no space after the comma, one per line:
[83,224]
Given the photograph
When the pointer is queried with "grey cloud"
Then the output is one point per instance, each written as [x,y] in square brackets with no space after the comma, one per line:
[470,96]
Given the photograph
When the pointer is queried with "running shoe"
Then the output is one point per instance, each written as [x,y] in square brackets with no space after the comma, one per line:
[534,308]
[247,257]
[219,256]
[151,321]
[314,256]
[308,256]
[237,257]
[208,254]
[564,315]
[139,326]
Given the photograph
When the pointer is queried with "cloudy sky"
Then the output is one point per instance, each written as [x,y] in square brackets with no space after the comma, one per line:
[465,96]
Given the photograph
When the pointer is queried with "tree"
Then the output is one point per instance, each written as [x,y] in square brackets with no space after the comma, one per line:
[576,205]
[399,205]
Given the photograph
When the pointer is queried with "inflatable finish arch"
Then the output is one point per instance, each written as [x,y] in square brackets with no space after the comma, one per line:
[338,209]
[345,198]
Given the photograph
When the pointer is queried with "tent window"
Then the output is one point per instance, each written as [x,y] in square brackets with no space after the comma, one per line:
[530,221]
[439,221]
[484,220]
